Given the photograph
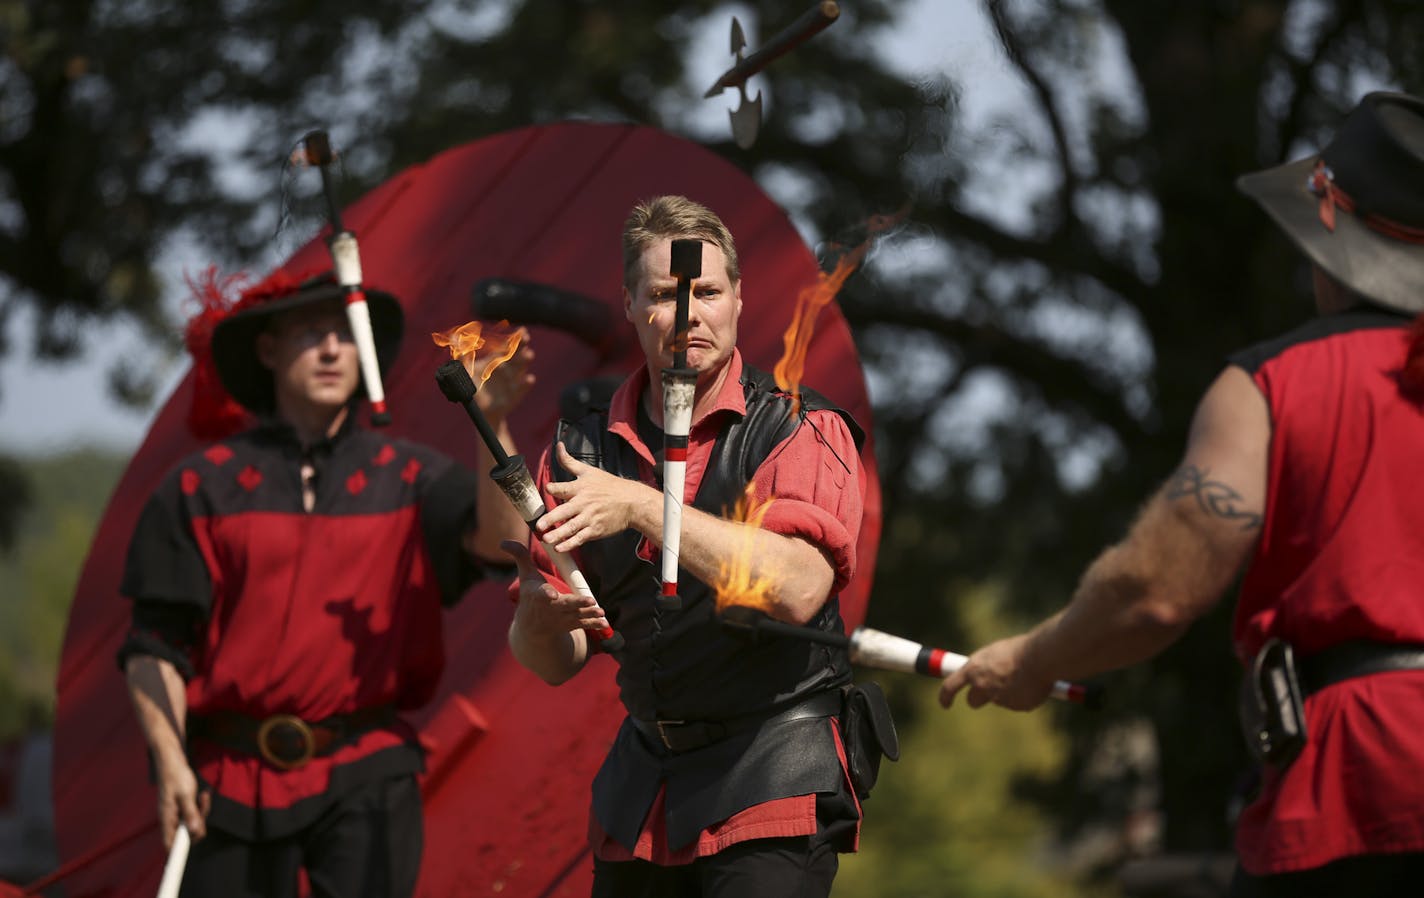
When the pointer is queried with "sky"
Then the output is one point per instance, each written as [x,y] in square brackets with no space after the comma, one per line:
[49,407]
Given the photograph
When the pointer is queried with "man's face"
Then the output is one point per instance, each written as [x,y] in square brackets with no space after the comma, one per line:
[312,357]
[712,311]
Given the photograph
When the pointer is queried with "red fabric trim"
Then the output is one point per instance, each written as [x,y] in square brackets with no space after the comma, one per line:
[779,818]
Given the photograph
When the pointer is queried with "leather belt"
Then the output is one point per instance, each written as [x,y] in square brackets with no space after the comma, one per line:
[687,735]
[1356,659]
[284,740]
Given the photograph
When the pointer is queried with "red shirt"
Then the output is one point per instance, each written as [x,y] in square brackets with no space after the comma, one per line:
[308,613]
[1341,557]
[818,500]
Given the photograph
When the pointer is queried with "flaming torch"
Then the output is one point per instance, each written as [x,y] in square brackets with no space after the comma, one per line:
[743,601]
[346,262]
[679,392]
[510,472]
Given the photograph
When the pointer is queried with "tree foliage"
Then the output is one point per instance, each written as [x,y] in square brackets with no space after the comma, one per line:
[40,574]
[1073,267]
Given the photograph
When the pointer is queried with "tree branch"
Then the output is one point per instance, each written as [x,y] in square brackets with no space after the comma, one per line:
[1302,71]
[1060,381]
[1013,49]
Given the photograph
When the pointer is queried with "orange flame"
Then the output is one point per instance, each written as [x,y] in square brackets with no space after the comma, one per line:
[797,339]
[735,583]
[809,302]
[465,342]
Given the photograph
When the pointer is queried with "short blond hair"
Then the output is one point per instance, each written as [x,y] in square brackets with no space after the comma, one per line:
[670,217]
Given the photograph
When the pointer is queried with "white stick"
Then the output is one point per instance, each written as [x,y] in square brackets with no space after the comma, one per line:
[346,260]
[519,488]
[679,392]
[177,862]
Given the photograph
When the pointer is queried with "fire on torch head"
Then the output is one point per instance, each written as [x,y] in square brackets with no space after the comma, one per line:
[459,387]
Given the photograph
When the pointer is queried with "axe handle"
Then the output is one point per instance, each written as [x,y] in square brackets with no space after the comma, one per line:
[812,22]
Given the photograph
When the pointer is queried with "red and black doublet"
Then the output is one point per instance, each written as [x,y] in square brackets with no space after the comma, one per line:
[1340,561]
[748,738]
[269,609]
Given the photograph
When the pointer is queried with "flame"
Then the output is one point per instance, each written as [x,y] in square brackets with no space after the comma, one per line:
[465,342]
[735,583]
[809,302]
[797,338]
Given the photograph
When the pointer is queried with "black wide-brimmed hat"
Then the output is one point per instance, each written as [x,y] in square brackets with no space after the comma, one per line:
[234,341]
[1357,208]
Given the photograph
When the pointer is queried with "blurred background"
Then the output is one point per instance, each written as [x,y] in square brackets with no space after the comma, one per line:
[1072,266]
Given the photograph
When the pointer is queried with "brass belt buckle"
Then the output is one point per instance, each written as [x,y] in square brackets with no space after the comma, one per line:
[662,733]
[270,727]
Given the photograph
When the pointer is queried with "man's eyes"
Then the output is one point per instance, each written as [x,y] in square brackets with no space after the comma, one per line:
[670,294]
[312,335]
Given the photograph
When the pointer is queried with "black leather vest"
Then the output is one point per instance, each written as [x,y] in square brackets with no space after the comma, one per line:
[683,665]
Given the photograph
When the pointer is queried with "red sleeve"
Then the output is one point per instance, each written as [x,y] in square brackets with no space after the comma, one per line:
[815,478]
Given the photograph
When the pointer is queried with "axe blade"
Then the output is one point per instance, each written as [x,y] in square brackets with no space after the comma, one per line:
[746,121]
[739,40]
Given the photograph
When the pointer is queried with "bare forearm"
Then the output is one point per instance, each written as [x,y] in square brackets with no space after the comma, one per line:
[1112,622]
[552,655]
[1141,595]
[797,574]
[159,698]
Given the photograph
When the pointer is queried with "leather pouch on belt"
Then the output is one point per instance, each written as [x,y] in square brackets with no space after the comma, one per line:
[1272,712]
[869,734]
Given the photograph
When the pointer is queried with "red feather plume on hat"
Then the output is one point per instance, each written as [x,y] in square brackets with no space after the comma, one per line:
[213,413]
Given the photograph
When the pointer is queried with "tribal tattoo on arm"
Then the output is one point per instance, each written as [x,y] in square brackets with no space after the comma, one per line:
[1212,496]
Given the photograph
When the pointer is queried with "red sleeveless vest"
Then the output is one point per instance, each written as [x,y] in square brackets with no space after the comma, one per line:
[1341,558]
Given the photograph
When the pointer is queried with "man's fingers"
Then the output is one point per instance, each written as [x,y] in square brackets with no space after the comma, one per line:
[168,824]
[571,464]
[556,517]
[199,827]
[559,489]
[192,816]
[950,688]
[522,559]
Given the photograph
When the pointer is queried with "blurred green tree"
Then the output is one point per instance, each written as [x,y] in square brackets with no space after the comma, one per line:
[39,576]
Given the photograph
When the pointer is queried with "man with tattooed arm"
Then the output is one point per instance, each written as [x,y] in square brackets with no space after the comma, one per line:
[1302,467]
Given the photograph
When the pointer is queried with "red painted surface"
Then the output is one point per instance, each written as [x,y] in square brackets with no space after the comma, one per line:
[510,757]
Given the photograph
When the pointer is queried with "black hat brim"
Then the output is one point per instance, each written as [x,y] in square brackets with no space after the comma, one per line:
[1387,271]
[235,340]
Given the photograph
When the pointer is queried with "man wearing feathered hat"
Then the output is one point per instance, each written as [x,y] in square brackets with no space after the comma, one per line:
[1302,467]
[287,585]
